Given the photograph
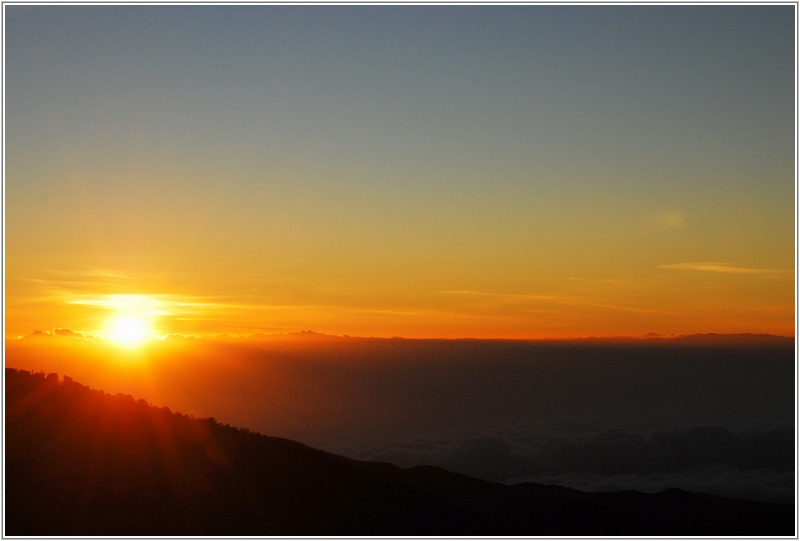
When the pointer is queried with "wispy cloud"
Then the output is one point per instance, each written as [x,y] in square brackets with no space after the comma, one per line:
[156,304]
[500,295]
[672,219]
[720,267]
[599,280]
[564,300]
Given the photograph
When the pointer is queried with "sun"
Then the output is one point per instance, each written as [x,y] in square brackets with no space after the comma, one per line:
[130,322]
[128,330]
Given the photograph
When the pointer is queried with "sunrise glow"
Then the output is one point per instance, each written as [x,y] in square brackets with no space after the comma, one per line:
[422,193]
[548,243]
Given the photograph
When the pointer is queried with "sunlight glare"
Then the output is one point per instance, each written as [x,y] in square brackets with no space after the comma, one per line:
[129,331]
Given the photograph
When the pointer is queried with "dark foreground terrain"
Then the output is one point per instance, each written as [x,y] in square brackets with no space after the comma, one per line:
[82,462]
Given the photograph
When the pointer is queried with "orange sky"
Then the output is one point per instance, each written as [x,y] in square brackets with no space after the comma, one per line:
[555,173]
[671,301]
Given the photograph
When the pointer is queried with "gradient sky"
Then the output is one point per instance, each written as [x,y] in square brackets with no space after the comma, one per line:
[421,171]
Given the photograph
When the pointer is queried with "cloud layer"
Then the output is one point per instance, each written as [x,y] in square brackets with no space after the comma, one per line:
[752,464]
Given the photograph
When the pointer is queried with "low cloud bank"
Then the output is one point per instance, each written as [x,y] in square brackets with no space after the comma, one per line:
[750,464]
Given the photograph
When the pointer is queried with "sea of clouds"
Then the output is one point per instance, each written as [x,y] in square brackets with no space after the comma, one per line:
[756,464]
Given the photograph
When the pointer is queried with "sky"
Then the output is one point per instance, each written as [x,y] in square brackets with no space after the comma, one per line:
[418,171]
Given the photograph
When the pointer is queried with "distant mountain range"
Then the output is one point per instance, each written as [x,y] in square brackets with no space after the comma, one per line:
[650,338]
[82,462]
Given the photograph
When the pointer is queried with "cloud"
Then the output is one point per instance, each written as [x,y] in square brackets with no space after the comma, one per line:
[670,220]
[68,333]
[719,267]
[502,295]
[752,464]
[564,300]
[600,280]
[616,452]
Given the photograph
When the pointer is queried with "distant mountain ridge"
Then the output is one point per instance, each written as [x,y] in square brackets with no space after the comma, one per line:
[82,462]
[649,338]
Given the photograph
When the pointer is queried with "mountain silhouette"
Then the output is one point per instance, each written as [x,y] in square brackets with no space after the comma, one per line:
[82,462]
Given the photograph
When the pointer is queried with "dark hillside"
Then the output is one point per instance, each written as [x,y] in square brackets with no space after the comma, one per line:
[82,462]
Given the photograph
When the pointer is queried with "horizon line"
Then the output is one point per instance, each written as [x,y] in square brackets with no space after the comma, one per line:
[68,333]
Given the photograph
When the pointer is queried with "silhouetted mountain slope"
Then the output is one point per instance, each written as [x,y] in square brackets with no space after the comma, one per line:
[82,462]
